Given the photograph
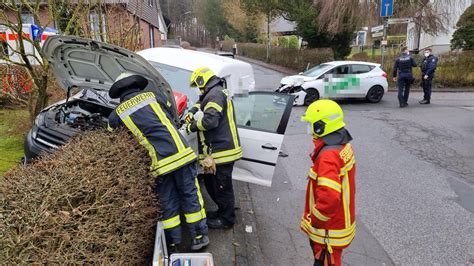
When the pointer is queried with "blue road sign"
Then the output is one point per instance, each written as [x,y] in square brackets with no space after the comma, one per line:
[386,8]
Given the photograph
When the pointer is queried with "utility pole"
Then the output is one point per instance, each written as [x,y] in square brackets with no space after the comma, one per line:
[386,10]
[384,38]
[269,41]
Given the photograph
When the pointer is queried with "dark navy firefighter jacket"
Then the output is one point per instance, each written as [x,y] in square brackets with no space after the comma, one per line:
[404,65]
[148,118]
[428,67]
[217,130]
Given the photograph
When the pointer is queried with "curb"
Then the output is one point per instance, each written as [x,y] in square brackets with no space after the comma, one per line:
[435,90]
[248,251]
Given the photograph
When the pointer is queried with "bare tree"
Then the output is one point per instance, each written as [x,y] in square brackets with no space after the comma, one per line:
[432,16]
[72,17]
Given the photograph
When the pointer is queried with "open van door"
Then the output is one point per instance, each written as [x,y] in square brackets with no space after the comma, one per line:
[261,119]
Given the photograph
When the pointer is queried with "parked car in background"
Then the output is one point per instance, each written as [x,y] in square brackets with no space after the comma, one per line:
[91,67]
[337,79]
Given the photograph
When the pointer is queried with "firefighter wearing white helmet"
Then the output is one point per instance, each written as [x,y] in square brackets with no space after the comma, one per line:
[219,144]
[329,214]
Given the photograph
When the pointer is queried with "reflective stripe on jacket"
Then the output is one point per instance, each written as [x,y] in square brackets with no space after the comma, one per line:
[329,214]
[148,118]
[217,130]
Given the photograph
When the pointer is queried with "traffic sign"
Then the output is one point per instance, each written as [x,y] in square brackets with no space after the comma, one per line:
[384,42]
[386,8]
[399,20]
[377,34]
[377,28]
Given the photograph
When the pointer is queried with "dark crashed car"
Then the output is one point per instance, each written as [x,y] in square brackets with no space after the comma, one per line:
[87,68]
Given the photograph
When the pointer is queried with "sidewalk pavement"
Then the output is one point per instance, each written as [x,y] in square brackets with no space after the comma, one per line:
[289,71]
[236,246]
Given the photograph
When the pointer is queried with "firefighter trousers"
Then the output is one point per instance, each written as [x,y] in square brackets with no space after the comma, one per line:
[176,191]
[220,189]
[336,254]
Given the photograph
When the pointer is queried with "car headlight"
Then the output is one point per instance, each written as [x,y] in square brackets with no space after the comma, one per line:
[34,132]
[39,119]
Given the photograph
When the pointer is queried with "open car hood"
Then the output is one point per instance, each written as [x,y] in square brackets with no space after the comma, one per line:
[85,63]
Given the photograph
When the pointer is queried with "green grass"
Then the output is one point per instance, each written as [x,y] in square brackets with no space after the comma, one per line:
[12,130]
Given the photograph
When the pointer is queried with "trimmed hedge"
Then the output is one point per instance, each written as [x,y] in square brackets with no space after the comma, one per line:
[91,202]
[297,59]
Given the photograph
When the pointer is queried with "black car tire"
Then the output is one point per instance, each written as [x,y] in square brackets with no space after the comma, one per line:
[375,94]
[312,95]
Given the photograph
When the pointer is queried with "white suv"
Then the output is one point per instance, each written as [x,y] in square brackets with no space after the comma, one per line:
[337,79]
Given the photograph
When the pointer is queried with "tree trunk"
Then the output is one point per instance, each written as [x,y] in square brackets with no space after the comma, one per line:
[43,97]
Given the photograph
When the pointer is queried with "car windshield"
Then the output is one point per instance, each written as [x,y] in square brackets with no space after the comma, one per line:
[178,78]
[316,71]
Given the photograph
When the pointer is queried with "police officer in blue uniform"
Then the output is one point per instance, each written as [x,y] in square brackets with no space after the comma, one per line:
[428,68]
[147,115]
[403,67]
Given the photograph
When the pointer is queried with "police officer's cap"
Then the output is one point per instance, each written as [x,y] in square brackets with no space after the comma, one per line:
[127,81]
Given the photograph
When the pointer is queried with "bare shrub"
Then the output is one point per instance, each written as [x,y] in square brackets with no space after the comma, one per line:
[91,202]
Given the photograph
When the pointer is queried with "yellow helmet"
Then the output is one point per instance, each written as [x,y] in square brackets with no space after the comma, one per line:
[200,77]
[325,116]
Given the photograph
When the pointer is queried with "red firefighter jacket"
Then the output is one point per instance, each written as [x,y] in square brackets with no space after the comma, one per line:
[329,214]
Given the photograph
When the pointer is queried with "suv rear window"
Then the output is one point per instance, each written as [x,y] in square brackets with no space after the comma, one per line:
[360,69]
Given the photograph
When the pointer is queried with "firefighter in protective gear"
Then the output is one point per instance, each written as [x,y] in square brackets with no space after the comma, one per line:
[147,115]
[329,213]
[218,142]
[403,66]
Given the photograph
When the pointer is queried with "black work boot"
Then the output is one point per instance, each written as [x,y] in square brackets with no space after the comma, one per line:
[199,242]
[212,214]
[218,223]
[424,101]
[172,248]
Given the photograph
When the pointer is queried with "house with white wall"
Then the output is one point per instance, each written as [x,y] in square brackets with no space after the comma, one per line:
[441,42]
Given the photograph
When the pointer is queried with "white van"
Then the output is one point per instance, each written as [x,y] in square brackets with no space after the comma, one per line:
[176,65]
[261,117]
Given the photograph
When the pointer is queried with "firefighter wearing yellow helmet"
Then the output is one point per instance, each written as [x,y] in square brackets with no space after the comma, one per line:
[329,213]
[219,144]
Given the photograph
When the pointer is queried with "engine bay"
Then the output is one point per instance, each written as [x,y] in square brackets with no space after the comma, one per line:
[82,115]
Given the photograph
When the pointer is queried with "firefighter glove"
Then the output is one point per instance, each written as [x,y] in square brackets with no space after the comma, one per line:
[189,117]
[209,165]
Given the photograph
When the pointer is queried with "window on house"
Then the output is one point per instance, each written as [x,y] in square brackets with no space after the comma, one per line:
[3,45]
[95,26]
[27,18]
[152,36]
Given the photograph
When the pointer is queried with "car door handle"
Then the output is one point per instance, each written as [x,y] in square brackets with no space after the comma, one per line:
[269,146]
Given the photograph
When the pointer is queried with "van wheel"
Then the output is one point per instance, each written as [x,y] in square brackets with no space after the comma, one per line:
[312,95]
[375,94]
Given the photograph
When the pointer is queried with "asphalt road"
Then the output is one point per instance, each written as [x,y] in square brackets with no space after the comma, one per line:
[415,183]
